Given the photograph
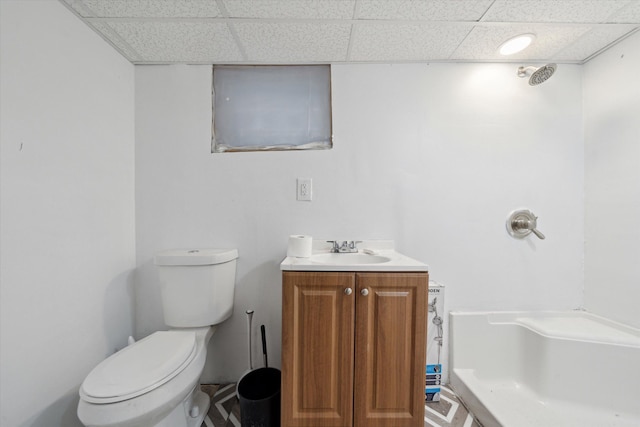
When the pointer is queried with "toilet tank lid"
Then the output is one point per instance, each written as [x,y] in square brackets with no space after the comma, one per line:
[177,257]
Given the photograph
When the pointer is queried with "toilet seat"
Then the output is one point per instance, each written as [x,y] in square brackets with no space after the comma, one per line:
[140,367]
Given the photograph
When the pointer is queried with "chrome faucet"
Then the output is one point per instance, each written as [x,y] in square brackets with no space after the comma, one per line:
[344,247]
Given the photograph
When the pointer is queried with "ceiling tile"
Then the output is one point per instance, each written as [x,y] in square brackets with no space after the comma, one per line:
[587,11]
[628,14]
[483,42]
[115,39]
[408,42]
[179,41]
[290,9]
[432,10]
[146,8]
[294,43]
[592,42]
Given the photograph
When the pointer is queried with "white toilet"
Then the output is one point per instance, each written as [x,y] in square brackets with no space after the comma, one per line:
[155,381]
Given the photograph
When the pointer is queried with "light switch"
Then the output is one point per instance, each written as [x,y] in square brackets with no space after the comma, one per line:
[304,189]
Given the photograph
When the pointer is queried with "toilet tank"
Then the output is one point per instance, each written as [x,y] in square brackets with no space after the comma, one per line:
[196,285]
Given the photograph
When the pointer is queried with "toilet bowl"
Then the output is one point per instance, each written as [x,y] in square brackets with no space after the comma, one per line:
[154,382]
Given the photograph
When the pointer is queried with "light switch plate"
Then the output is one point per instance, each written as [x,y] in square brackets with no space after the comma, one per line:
[304,189]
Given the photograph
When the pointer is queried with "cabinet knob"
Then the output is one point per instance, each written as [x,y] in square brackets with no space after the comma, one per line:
[348,291]
[364,292]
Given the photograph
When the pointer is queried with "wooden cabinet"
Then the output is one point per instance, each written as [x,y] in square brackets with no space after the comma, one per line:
[317,349]
[353,349]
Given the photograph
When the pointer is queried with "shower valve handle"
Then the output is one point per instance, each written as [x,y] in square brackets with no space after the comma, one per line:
[537,233]
[527,225]
[523,222]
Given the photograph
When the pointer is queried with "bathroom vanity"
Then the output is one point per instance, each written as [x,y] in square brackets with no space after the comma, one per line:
[353,340]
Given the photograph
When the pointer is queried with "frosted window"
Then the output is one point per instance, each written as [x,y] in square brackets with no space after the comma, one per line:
[271,108]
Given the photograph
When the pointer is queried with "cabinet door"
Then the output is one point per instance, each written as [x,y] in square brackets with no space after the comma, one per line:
[317,349]
[391,330]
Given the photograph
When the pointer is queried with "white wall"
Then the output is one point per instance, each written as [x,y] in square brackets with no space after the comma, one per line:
[612,182]
[67,209]
[434,156]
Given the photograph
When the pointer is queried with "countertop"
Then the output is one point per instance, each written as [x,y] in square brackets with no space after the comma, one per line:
[384,248]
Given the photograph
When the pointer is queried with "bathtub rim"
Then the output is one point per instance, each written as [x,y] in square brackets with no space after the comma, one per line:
[509,317]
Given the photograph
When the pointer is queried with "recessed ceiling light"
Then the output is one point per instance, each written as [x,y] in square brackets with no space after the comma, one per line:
[516,44]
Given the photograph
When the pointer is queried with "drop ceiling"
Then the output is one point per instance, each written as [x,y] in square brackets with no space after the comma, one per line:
[352,31]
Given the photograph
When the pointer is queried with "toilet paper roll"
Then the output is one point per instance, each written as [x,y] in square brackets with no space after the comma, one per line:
[299,246]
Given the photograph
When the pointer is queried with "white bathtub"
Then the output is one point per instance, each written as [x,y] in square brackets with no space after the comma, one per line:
[546,369]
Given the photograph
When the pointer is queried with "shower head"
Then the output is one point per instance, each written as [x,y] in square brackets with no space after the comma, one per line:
[537,75]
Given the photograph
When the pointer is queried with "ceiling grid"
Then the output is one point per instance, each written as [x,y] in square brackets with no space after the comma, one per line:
[234,33]
[341,31]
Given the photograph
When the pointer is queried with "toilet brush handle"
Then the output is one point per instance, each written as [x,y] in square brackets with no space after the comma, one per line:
[249,319]
[264,346]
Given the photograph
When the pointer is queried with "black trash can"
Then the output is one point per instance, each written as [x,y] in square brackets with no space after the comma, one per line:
[259,394]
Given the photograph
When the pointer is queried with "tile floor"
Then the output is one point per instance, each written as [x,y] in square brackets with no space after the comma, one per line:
[448,412]
[225,409]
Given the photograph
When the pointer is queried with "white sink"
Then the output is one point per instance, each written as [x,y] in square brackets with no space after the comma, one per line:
[348,259]
[374,255]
